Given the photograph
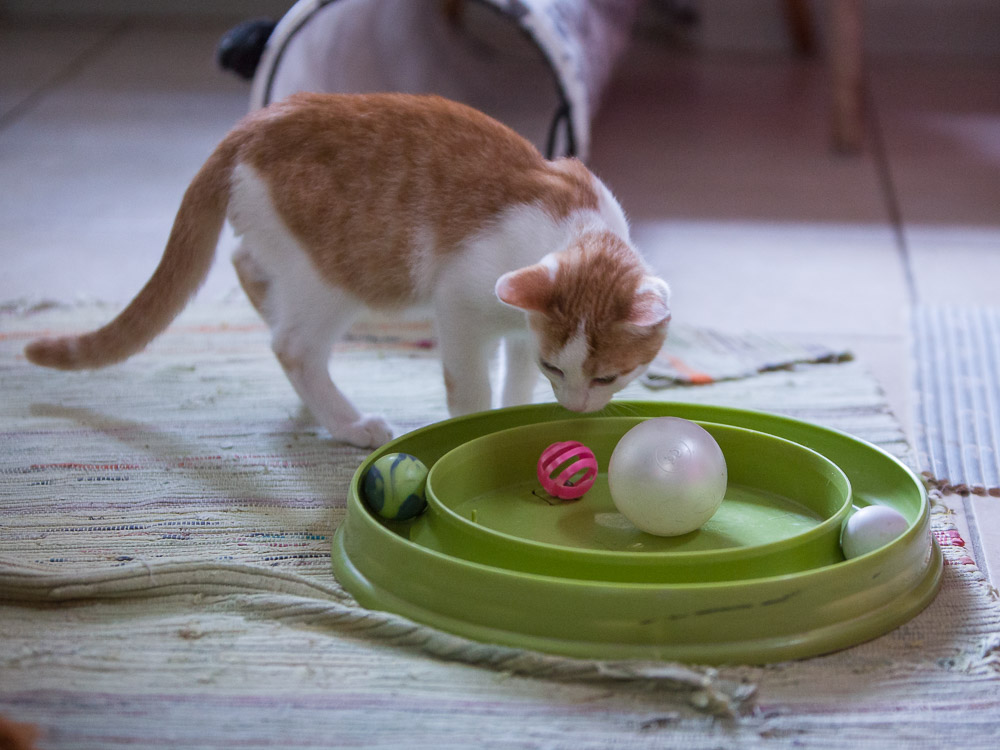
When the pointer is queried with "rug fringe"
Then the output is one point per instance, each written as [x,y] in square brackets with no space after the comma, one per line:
[280,595]
[947,487]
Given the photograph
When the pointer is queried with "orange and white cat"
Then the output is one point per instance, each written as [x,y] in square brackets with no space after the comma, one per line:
[343,202]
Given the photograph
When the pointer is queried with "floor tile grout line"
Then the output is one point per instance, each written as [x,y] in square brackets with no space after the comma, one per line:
[75,66]
[890,195]
[976,539]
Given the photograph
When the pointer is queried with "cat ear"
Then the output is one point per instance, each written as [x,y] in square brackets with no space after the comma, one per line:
[526,288]
[652,303]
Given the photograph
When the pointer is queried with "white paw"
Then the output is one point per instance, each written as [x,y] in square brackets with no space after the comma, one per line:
[367,432]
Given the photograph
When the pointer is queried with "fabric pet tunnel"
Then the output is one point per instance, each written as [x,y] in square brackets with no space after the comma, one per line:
[540,66]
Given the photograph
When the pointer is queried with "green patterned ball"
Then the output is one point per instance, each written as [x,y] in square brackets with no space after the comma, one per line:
[394,487]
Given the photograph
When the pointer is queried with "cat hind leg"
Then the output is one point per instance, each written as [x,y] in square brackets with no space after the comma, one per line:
[307,368]
[305,323]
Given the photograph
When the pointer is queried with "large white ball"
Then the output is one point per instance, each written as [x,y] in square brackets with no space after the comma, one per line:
[667,476]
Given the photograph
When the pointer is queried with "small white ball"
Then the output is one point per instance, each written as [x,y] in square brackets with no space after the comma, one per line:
[667,476]
[870,528]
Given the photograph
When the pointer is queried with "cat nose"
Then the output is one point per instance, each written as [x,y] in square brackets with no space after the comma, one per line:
[575,403]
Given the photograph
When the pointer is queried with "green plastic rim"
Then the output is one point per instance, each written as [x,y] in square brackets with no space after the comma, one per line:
[750,620]
[783,512]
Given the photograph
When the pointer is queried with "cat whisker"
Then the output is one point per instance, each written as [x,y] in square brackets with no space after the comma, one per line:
[621,409]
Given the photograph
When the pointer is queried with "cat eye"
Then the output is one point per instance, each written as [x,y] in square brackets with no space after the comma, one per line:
[551,368]
[606,380]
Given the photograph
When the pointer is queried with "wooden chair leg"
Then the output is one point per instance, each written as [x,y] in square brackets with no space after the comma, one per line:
[799,21]
[847,74]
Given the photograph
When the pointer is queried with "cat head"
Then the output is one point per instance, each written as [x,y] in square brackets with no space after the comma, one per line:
[598,317]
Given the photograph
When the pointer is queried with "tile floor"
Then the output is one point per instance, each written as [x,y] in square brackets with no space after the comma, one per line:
[723,163]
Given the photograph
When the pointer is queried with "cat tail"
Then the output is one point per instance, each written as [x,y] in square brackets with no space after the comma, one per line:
[186,261]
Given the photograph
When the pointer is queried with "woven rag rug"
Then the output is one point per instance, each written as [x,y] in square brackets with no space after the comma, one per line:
[165,579]
[957,386]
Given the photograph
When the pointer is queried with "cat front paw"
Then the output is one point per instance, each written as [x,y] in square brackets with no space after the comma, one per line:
[367,432]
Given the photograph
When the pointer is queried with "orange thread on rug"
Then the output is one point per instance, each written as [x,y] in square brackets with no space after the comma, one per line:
[695,376]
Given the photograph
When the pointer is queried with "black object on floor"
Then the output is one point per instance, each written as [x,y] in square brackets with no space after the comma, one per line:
[240,48]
